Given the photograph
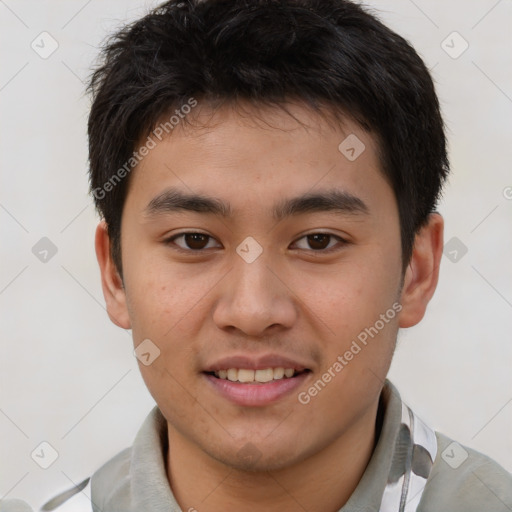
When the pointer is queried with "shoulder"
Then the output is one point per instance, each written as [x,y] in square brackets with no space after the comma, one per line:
[112,480]
[109,484]
[465,480]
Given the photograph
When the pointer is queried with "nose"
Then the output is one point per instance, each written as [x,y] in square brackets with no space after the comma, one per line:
[254,298]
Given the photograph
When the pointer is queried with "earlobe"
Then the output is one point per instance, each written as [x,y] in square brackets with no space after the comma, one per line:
[111,282]
[422,274]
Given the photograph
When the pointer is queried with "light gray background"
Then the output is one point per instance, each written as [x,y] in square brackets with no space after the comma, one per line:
[68,376]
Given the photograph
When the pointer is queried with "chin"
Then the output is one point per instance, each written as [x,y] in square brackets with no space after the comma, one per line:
[251,458]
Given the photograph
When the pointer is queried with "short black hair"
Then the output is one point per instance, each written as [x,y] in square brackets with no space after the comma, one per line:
[330,53]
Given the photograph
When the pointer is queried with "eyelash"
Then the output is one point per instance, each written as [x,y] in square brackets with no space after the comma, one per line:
[171,239]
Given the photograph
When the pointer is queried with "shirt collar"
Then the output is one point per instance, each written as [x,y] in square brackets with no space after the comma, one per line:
[382,486]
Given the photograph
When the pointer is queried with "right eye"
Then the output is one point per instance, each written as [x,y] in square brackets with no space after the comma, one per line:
[191,241]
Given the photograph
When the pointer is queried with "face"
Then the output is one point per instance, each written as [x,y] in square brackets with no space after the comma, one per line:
[288,271]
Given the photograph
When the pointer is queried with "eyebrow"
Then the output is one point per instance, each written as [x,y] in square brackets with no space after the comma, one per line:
[175,200]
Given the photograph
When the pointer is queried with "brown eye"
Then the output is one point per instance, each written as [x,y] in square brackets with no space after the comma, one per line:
[318,241]
[196,240]
[321,242]
[191,241]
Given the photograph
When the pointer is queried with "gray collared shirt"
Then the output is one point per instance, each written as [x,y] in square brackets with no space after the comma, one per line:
[412,469]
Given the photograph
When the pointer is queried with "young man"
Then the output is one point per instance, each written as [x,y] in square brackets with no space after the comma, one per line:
[267,173]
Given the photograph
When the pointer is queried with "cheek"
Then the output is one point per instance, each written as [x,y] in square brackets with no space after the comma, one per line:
[165,311]
[345,307]
[169,307]
[351,295]
[156,296]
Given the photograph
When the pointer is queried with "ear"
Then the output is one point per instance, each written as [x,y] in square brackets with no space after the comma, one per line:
[111,282]
[422,274]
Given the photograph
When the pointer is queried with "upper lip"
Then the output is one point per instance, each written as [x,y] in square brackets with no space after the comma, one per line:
[255,363]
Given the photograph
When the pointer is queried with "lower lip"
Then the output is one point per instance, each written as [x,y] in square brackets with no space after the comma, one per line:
[257,394]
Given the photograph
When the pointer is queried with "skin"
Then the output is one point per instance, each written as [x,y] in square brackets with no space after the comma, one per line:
[292,300]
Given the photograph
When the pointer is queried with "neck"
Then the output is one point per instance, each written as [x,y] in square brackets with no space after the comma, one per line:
[322,482]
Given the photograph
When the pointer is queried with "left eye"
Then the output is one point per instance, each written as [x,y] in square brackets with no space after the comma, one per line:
[319,241]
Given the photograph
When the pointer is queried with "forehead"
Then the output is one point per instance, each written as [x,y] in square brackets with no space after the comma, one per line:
[252,155]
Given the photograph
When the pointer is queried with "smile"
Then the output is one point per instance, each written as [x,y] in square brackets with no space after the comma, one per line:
[256,388]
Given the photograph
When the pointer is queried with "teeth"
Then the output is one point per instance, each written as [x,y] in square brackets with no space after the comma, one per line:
[264,375]
[279,373]
[244,375]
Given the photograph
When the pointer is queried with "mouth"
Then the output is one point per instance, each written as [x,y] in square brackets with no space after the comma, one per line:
[256,388]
